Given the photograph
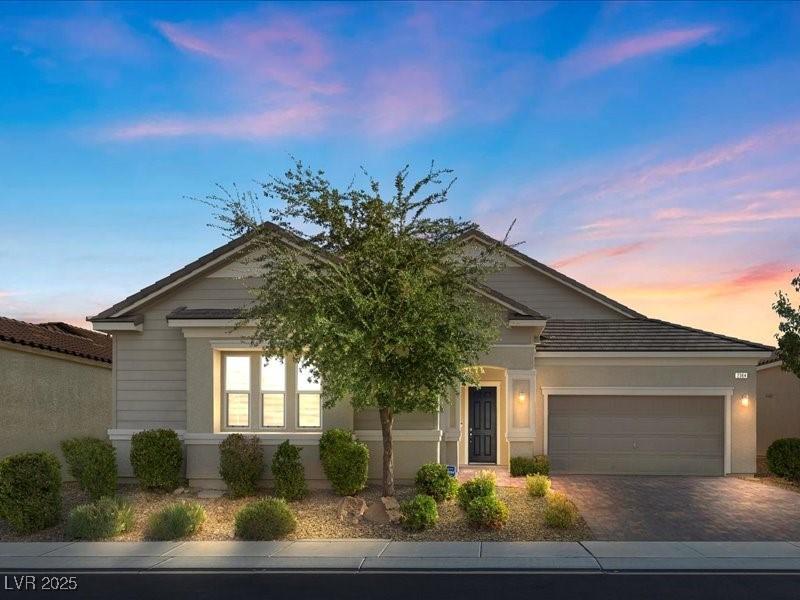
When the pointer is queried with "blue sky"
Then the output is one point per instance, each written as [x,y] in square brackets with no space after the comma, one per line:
[649,150]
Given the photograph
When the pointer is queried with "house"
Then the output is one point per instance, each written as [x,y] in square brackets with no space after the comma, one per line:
[55,383]
[595,385]
[778,394]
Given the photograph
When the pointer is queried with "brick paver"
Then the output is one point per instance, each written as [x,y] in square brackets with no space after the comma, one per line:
[683,508]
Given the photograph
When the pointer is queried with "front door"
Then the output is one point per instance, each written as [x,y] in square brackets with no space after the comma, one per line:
[483,425]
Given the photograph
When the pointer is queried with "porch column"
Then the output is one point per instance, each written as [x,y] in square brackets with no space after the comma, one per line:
[520,387]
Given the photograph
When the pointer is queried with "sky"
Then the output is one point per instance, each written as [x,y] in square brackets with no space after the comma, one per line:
[649,150]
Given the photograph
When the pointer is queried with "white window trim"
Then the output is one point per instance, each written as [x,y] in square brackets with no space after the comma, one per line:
[226,392]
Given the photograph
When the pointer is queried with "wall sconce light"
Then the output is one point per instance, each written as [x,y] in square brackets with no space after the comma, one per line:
[745,400]
[521,397]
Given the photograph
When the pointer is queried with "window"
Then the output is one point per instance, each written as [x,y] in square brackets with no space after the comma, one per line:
[273,392]
[309,409]
[237,391]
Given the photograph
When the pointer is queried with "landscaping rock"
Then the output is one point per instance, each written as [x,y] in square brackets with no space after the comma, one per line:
[210,494]
[180,491]
[376,513]
[351,509]
[392,507]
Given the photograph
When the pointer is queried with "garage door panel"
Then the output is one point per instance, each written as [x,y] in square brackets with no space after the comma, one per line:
[636,434]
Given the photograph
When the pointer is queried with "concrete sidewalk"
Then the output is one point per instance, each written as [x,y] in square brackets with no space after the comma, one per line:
[361,555]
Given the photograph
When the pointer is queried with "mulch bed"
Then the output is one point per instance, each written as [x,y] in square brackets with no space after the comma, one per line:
[769,479]
[317,518]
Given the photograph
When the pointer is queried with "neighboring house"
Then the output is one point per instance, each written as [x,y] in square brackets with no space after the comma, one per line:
[576,375]
[778,394]
[55,383]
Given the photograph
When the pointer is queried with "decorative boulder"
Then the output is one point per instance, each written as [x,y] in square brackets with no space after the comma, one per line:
[392,507]
[351,509]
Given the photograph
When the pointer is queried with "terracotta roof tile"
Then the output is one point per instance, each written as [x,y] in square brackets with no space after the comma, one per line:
[57,337]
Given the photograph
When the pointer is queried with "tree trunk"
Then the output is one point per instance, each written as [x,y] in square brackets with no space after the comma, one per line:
[387,418]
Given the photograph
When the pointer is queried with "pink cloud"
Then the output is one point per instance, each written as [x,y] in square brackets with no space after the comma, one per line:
[593,59]
[186,41]
[600,253]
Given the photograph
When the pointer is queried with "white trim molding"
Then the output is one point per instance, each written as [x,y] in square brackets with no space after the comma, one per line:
[400,435]
[725,392]
[527,322]
[117,326]
[123,435]
[769,365]
[265,438]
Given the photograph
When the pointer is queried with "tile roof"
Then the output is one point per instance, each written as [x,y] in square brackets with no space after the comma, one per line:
[635,335]
[57,337]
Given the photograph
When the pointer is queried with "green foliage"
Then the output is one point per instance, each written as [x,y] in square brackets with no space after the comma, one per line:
[176,521]
[487,512]
[30,491]
[560,511]
[783,458]
[267,519]
[106,518]
[386,312]
[156,458]
[530,465]
[344,460]
[434,481]
[93,463]
[789,330]
[241,464]
[419,513]
[537,485]
[483,484]
[289,473]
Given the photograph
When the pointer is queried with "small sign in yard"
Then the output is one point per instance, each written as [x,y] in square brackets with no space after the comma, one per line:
[452,470]
[741,376]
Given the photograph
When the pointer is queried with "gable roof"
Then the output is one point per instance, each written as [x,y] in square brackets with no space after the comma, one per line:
[636,335]
[57,337]
[550,272]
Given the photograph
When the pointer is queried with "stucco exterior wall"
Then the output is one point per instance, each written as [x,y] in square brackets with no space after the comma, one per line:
[45,399]
[778,394]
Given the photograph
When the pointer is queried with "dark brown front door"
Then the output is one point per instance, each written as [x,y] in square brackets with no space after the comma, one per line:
[483,425]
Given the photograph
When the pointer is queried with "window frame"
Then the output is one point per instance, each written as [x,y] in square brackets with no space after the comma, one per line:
[299,392]
[226,391]
[262,392]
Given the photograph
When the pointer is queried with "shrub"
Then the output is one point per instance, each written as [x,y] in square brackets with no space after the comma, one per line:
[289,473]
[783,458]
[93,463]
[434,481]
[267,519]
[344,460]
[487,512]
[103,519]
[176,521]
[483,484]
[538,485]
[241,464]
[419,513]
[30,491]
[560,511]
[530,465]
[156,458]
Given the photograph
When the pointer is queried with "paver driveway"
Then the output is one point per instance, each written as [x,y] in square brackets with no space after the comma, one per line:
[683,508]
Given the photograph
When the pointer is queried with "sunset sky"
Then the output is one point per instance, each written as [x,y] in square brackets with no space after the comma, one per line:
[651,151]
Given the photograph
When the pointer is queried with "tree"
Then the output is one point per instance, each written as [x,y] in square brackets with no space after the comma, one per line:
[377,295]
[789,337]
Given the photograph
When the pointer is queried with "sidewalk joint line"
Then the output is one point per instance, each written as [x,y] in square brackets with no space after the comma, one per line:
[72,543]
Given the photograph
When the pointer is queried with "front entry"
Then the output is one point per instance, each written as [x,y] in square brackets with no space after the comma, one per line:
[483,425]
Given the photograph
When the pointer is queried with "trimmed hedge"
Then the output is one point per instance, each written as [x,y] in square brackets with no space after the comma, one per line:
[530,465]
[101,520]
[434,480]
[560,511]
[267,519]
[241,464]
[176,521]
[419,513]
[783,458]
[487,512]
[538,485]
[345,461]
[289,473]
[30,491]
[93,463]
[156,458]
[483,484]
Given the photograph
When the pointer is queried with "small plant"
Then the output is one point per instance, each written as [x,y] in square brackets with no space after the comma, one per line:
[93,463]
[538,485]
[30,491]
[267,519]
[176,521]
[560,511]
[289,473]
[487,512]
[100,520]
[527,465]
[783,458]
[156,458]
[241,464]
[483,484]
[419,513]
[345,461]
[434,481]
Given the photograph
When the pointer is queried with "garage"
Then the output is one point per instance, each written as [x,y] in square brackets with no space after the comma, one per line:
[636,435]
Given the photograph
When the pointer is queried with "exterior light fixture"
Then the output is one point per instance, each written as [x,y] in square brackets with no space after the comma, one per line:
[745,400]
[521,397]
